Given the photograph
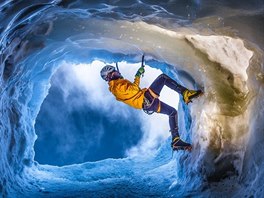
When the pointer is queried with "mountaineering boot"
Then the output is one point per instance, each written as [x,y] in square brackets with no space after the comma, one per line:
[178,144]
[188,95]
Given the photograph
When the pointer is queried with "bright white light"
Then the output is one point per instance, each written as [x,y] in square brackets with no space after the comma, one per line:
[87,77]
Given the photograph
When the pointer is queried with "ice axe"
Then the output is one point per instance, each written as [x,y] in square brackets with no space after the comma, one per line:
[142,63]
[117,67]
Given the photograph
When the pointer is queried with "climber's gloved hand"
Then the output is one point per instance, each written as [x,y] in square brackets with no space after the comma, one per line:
[140,71]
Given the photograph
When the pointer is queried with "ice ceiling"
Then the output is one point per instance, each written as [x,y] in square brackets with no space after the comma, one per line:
[225,126]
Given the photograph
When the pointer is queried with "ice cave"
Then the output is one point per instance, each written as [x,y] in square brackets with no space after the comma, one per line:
[64,135]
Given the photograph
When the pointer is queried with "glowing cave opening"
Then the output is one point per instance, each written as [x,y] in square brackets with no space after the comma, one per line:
[80,120]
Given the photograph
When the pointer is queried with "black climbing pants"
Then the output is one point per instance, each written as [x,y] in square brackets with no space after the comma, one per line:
[154,104]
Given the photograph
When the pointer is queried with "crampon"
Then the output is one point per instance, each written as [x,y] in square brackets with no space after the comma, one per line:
[177,144]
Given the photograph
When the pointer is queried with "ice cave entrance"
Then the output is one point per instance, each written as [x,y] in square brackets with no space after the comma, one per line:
[81,121]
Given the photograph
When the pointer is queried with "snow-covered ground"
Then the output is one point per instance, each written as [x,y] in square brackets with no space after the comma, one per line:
[224,125]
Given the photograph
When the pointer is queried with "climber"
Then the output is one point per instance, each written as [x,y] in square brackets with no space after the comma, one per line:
[148,98]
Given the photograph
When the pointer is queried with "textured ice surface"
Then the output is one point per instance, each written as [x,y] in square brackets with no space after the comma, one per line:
[225,126]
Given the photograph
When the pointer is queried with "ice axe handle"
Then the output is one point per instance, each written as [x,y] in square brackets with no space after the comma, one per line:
[142,63]
[117,67]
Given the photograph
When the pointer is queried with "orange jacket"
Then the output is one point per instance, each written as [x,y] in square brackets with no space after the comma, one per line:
[128,92]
